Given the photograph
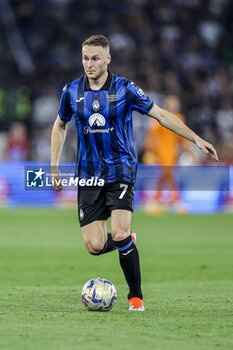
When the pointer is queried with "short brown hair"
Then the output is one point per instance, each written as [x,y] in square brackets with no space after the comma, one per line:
[96,40]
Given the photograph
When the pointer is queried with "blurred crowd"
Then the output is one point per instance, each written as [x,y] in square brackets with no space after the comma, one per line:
[178,48]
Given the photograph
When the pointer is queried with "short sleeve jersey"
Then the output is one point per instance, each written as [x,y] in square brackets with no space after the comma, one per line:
[106,147]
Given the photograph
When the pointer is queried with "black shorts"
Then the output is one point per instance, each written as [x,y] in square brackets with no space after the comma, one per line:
[97,202]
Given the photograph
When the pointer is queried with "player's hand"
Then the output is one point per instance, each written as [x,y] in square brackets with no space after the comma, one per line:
[56,178]
[207,148]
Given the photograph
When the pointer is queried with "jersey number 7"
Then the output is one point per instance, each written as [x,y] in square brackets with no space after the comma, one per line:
[125,187]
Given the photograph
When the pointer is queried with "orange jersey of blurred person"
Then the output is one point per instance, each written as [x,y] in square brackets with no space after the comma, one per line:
[163,144]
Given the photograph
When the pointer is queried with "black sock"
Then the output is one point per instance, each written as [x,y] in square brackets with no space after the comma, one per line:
[109,246]
[129,261]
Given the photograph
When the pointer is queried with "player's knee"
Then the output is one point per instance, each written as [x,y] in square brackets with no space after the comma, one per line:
[120,234]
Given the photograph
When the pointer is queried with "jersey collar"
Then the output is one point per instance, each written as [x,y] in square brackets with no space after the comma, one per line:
[106,85]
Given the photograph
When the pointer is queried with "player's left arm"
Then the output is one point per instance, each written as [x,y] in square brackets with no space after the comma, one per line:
[173,123]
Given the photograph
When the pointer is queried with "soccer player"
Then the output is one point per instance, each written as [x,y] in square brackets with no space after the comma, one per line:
[102,104]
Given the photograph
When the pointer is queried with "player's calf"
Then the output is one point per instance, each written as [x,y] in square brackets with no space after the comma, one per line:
[98,248]
[109,246]
[129,261]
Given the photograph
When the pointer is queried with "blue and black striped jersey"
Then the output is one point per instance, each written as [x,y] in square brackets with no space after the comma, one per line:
[106,147]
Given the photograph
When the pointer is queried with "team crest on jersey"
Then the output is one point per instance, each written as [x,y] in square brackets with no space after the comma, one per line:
[96,119]
[142,94]
[95,105]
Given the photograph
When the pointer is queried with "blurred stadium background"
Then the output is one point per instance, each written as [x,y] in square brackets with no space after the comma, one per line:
[175,48]
[181,53]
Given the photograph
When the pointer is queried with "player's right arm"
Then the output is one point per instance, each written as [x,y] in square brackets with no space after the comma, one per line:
[57,142]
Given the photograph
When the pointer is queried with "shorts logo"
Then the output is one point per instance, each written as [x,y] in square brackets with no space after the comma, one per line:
[81,214]
[142,94]
[35,178]
[96,119]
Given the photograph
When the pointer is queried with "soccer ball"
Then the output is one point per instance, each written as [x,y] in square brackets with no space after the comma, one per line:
[99,294]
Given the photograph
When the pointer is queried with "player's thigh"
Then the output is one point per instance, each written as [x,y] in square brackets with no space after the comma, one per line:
[120,224]
[91,205]
[95,235]
[120,195]
[120,201]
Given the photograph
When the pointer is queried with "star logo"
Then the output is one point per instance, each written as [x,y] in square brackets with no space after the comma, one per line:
[39,173]
[35,178]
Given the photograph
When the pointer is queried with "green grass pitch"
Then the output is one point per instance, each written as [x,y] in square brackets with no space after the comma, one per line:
[187,270]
